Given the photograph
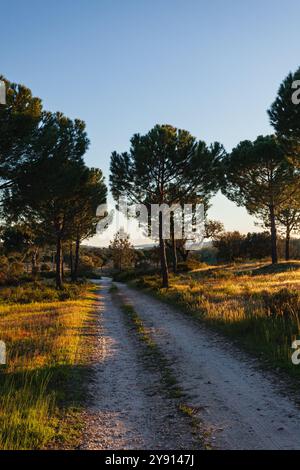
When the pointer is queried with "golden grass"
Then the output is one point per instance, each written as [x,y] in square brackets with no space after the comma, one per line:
[45,354]
[257,304]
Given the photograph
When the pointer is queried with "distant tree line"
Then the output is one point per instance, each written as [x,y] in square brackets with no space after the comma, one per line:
[232,246]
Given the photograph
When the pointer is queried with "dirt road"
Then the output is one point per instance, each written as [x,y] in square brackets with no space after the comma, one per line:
[129,409]
[240,405]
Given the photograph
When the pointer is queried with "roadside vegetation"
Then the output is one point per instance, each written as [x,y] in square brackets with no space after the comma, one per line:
[41,387]
[48,204]
[39,291]
[256,304]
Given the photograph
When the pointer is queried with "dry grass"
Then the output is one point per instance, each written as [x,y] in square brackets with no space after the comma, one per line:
[46,358]
[257,304]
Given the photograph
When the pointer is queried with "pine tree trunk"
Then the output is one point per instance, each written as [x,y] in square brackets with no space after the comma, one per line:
[174,249]
[287,245]
[34,262]
[163,257]
[273,236]
[71,261]
[62,265]
[76,263]
[59,283]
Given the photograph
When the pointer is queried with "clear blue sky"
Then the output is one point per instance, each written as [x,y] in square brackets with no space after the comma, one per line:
[212,67]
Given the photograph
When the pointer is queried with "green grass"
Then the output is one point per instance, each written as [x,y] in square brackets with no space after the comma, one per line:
[256,305]
[47,358]
[38,291]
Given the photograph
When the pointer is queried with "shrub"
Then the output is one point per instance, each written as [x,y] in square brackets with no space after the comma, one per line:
[45,267]
[39,292]
[48,274]
[183,267]
[125,276]
[190,265]
[130,274]
[88,274]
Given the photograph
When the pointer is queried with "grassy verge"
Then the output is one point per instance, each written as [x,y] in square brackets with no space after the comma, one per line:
[257,306]
[47,359]
[39,291]
[154,358]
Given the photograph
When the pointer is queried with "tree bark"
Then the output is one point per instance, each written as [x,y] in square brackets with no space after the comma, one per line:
[76,263]
[34,256]
[163,257]
[71,261]
[62,265]
[173,242]
[59,282]
[273,236]
[287,245]
[183,253]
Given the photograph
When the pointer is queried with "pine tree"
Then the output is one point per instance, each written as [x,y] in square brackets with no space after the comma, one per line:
[165,166]
[122,251]
[256,175]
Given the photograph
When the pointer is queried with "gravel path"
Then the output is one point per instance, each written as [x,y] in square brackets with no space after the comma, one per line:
[242,406]
[129,409]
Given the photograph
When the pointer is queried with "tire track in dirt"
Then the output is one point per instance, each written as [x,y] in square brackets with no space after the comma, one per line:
[128,408]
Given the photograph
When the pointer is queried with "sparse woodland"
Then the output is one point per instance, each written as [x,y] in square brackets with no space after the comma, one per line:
[244,285]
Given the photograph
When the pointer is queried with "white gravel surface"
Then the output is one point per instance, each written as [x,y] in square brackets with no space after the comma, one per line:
[129,409]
